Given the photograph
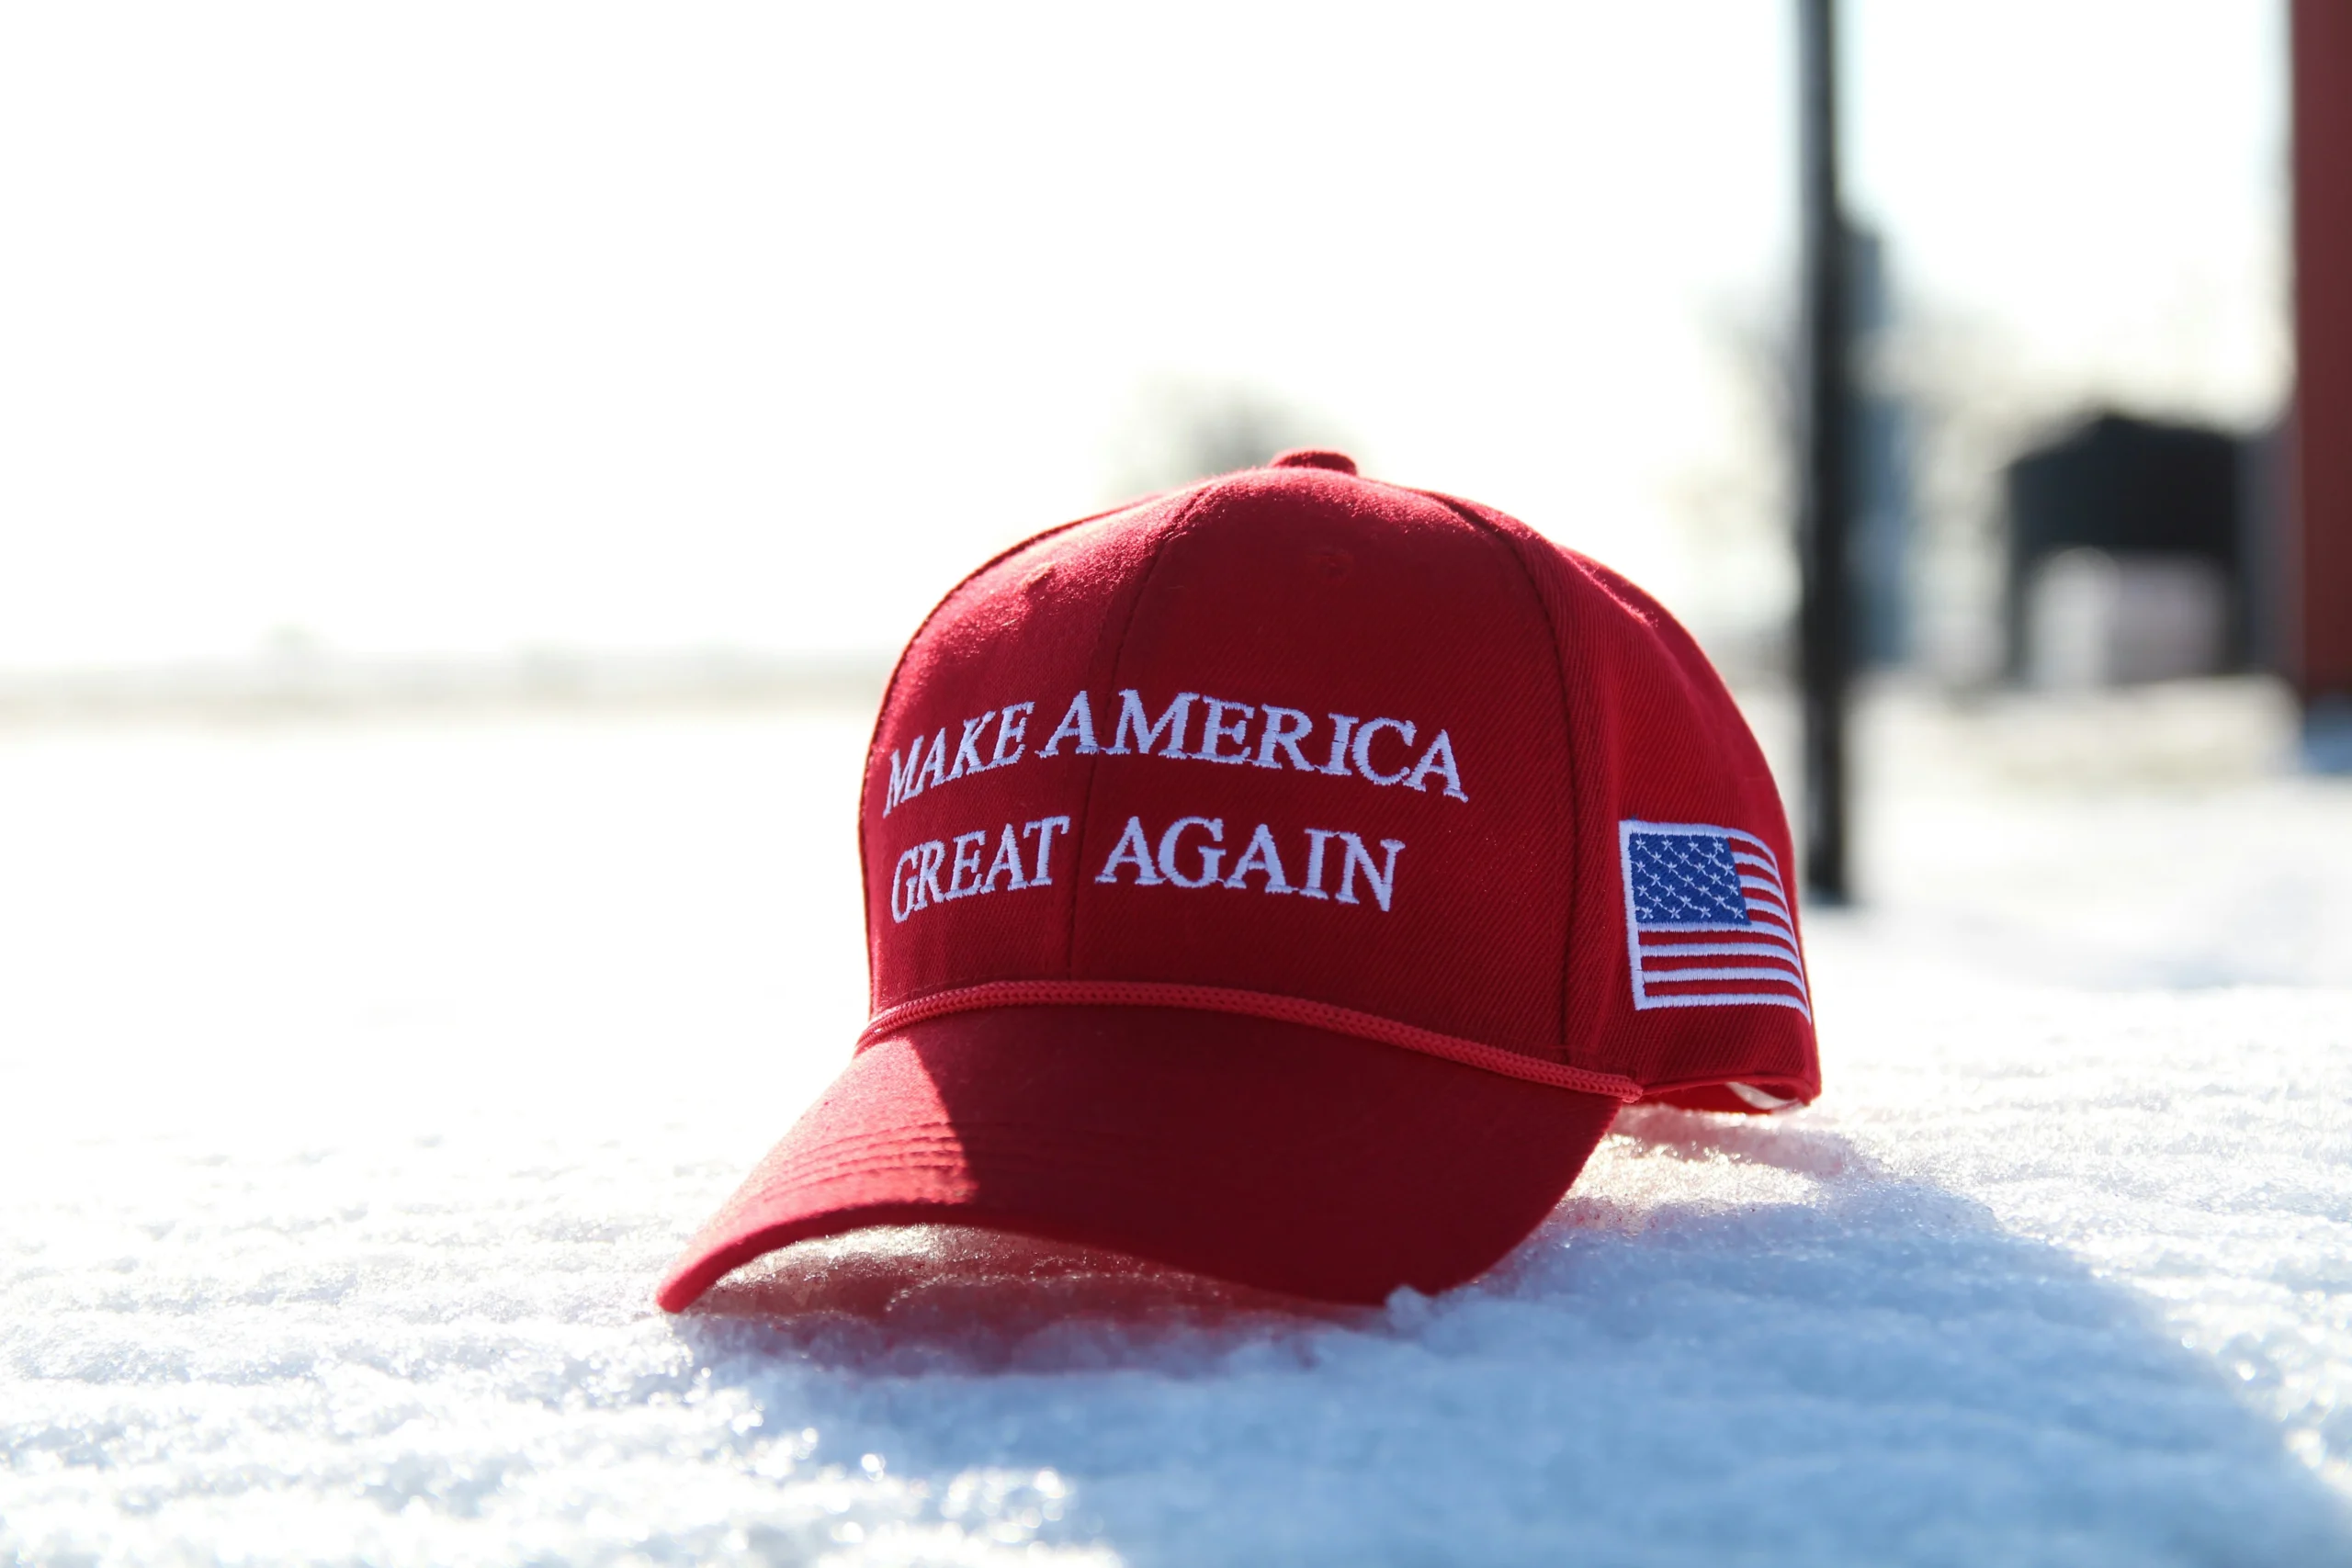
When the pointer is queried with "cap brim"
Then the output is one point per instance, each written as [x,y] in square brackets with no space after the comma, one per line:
[1273,1154]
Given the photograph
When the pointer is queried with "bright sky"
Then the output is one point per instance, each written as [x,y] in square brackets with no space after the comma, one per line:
[477,326]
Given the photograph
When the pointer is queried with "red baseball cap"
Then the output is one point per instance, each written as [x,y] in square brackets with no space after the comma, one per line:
[1286,879]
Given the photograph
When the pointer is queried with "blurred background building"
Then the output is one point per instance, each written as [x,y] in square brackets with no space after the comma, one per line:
[2132,554]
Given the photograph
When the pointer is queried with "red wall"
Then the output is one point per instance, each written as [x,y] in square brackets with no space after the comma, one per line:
[2320,581]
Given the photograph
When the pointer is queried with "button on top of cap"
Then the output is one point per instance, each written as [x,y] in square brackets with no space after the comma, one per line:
[1315,458]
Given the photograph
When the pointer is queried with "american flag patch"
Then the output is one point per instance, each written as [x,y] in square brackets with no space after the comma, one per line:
[1707,919]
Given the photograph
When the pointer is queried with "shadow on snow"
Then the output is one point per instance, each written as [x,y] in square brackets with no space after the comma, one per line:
[1880,1373]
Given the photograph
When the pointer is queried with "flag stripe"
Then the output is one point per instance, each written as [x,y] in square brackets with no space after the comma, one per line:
[1722,949]
[1781,976]
[1729,998]
[1777,934]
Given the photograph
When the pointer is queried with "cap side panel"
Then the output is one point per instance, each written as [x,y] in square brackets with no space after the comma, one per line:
[1657,738]
[1685,745]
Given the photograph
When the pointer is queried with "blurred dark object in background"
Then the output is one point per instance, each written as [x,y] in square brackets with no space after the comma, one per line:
[2128,543]
[1884,513]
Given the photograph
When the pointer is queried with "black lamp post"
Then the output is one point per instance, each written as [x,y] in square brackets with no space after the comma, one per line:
[1825,474]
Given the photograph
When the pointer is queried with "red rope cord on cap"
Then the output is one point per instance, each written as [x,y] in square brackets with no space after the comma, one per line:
[1254,1004]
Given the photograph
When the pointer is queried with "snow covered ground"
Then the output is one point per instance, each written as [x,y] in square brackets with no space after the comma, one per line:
[357,1079]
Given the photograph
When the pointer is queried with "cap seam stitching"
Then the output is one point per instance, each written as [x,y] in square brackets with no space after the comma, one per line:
[1560,683]
[1094,766]
[890,690]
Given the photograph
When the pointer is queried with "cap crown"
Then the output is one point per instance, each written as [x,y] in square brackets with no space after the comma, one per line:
[1316,741]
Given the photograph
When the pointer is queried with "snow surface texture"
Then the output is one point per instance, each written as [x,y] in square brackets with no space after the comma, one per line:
[359,1079]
